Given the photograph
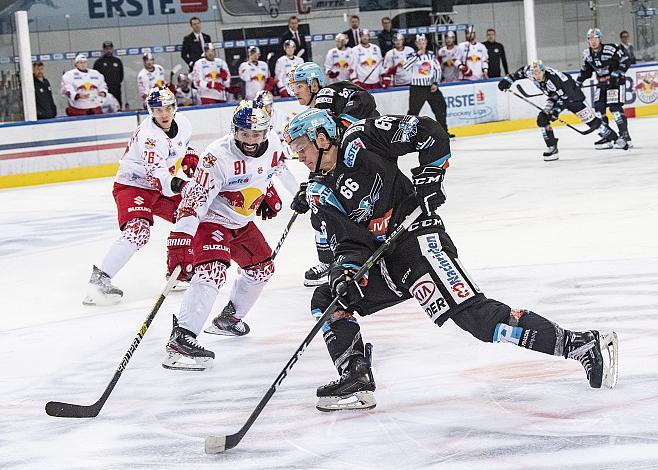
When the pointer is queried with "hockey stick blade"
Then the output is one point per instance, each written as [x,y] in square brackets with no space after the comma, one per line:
[69,410]
[219,444]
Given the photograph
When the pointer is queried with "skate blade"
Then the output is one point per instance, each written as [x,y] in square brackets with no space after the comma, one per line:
[213,330]
[623,147]
[96,297]
[610,350]
[603,147]
[314,283]
[176,361]
[551,158]
[357,401]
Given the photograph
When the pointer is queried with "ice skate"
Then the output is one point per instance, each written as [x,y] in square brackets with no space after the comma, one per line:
[226,323]
[100,290]
[604,143]
[585,347]
[551,153]
[627,138]
[621,143]
[185,353]
[352,391]
[316,275]
[609,343]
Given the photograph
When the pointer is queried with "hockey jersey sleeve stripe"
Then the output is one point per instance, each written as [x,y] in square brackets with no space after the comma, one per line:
[441,161]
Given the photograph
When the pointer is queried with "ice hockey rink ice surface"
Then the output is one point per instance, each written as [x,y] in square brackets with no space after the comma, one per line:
[575,240]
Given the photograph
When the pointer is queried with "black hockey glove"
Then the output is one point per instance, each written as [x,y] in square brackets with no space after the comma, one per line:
[505,83]
[299,203]
[615,79]
[341,280]
[428,182]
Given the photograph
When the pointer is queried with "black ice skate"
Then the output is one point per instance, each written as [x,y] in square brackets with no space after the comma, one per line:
[100,290]
[627,138]
[587,347]
[185,353]
[604,143]
[316,275]
[226,323]
[352,391]
[551,153]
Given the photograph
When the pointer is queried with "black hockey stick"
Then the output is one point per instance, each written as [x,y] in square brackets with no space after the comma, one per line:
[528,95]
[284,235]
[588,131]
[375,68]
[69,410]
[218,444]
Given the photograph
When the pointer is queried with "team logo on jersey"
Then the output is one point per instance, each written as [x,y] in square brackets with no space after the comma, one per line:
[149,143]
[352,151]
[245,201]
[209,160]
[647,86]
[367,204]
[407,129]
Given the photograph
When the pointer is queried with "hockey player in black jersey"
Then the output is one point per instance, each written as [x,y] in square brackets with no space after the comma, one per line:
[563,93]
[609,63]
[360,195]
[344,99]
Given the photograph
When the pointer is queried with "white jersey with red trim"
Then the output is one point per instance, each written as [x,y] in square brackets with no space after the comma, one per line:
[147,80]
[253,76]
[149,160]
[282,67]
[228,186]
[187,98]
[450,59]
[83,89]
[476,58]
[397,59]
[206,73]
[365,60]
[337,60]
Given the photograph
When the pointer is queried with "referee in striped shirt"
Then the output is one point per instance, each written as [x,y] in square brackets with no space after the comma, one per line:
[425,78]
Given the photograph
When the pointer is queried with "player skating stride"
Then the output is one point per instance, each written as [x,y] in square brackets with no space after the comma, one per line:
[360,195]
[609,63]
[232,185]
[145,186]
[563,93]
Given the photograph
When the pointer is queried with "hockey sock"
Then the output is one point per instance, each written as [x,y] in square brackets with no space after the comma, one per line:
[343,339]
[135,234]
[322,246]
[620,119]
[548,135]
[200,296]
[248,286]
[531,331]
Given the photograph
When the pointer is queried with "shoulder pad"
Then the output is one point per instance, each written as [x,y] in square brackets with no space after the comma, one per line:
[317,194]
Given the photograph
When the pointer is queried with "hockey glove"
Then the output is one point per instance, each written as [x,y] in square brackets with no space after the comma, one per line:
[270,83]
[603,79]
[428,182]
[218,86]
[223,74]
[190,162]
[299,203]
[392,70]
[341,281]
[271,204]
[179,252]
[505,84]
[615,79]
[332,74]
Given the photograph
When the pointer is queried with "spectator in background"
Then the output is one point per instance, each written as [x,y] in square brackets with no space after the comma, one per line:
[366,63]
[194,43]
[211,77]
[298,38]
[185,94]
[394,72]
[337,62]
[283,65]
[255,74]
[385,36]
[84,89]
[354,33]
[450,58]
[46,108]
[628,47]
[474,58]
[112,70]
[496,53]
[150,76]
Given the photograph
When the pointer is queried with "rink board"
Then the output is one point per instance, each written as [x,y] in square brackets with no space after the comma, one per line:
[66,149]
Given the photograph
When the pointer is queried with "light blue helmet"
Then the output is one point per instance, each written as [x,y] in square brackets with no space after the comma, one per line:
[306,72]
[308,123]
[594,33]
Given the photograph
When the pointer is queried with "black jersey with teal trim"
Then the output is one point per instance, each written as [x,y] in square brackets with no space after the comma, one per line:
[347,100]
[602,62]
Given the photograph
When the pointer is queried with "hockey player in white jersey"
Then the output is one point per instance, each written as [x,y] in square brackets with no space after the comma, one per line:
[366,63]
[232,186]
[337,61]
[450,58]
[145,186]
[185,94]
[474,58]
[152,75]
[83,88]
[284,64]
[254,73]
[211,76]
[394,72]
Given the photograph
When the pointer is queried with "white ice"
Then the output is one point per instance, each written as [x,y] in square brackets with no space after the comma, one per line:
[575,240]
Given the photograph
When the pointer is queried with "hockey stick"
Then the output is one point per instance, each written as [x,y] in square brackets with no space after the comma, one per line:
[588,131]
[284,235]
[69,410]
[218,444]
[374,68]
[528,95]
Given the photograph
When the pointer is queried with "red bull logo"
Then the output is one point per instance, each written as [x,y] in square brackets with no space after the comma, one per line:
[244,202]
[647,86]
[369,62]
[425,68]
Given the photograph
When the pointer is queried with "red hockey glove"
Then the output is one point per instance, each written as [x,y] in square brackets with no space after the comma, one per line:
[392,70]
[385,81]
[190,162]
[332,74]
[179,252]
[271,204]
[223,74]
[218,86]
[269,83]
